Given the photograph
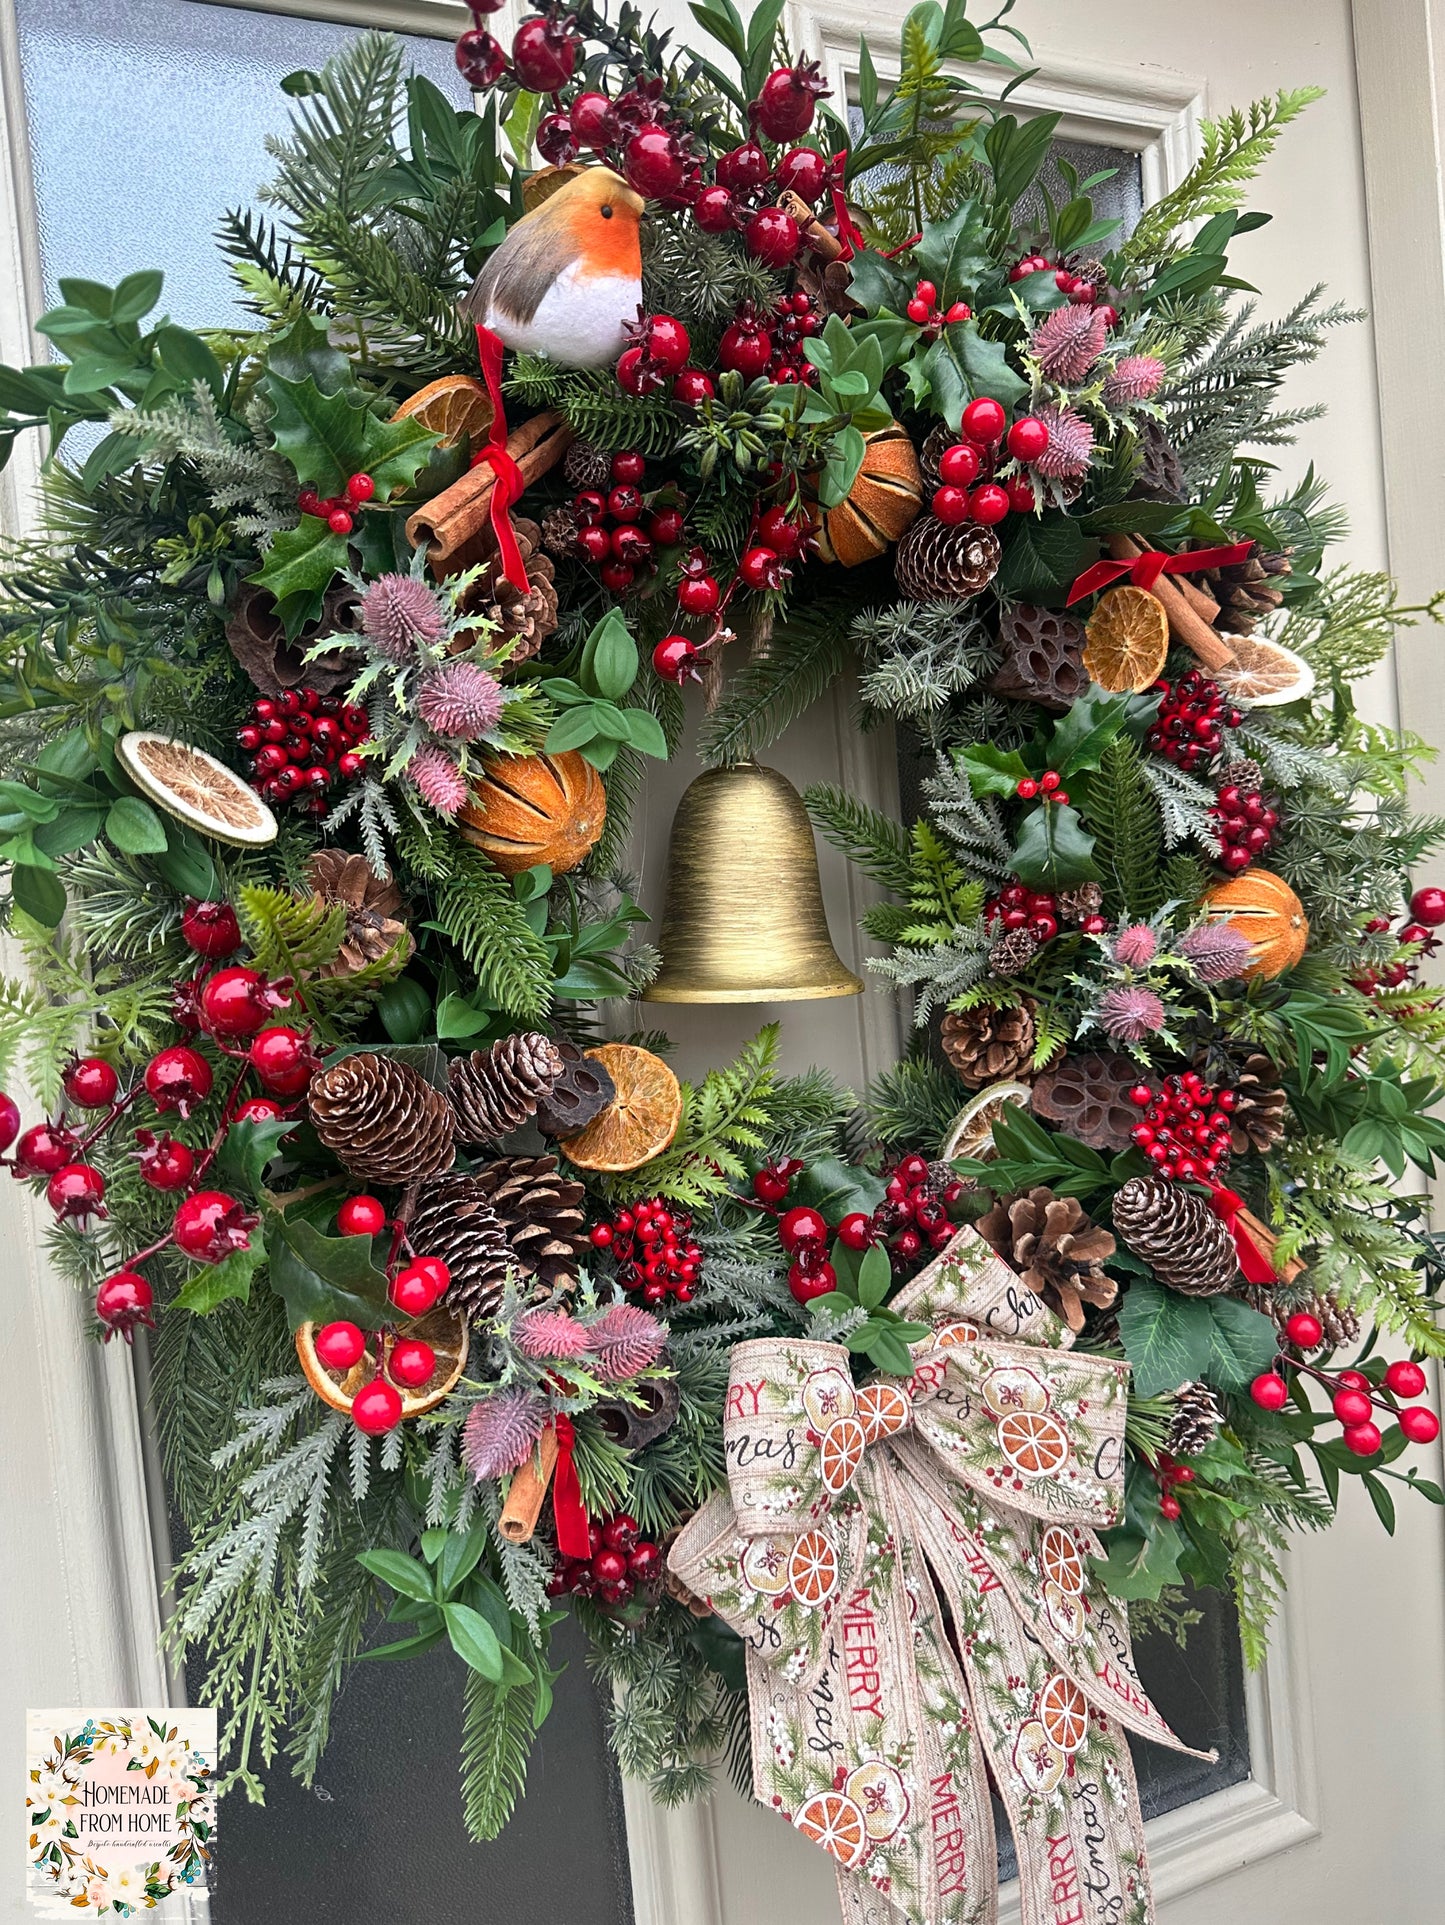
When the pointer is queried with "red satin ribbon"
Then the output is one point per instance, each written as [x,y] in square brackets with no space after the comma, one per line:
[1256,1266]
[567,1505]
[1144,570]
[849,232]
[509,485]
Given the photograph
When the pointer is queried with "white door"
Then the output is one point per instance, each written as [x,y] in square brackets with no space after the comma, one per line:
[1331,1812]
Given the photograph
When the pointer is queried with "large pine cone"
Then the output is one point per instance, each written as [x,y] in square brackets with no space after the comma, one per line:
[582,1091]
[454,1221]
[386,1123]
[374,924]
[939,562]
[1177,1235]
[1057,1251]
[1043,657]
[541,1212]
[1087,1096]
[1246,590]
[987,1045]
[494,1091]
[1196,1420]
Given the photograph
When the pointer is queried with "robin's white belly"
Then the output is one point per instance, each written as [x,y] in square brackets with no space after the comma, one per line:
[579,320]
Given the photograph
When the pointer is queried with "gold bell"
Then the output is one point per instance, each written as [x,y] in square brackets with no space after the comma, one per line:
[743,918]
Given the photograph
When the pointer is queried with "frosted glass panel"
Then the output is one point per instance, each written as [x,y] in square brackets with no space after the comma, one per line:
[148,119]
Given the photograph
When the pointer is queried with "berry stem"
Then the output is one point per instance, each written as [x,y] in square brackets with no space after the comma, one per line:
[229,1108]
[116,1110]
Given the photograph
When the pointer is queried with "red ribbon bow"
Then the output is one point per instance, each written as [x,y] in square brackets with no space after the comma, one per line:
[1144,570]
[567,1506]
[509,483]
[1253,1261]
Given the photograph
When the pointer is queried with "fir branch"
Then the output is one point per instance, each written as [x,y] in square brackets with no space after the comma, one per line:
[912,1104]
[497,1737]
[970,822]
[879,846]
[804,655]
[340,134]
[1123,815]
[919,655]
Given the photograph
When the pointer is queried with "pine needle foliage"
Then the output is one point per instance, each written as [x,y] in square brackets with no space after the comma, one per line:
[874,842]
[913,1102]
[498,1731]
[1123,815]
[803,657]
[917,656]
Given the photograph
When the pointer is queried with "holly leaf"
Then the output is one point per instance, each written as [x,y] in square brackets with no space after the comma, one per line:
[304,352]
[298,569]
[213,1284]
[953,254]
[837,1188]
[876,283]
[1140,1567]
[1087,728]
[1242,1344]
[324,1279]
[1041,557]
[329,436]
[247,1150]
[1167,1338]
[985,364]
[993,771]
[1054,849]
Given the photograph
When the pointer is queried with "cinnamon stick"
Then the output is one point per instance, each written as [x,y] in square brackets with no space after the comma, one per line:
[529,1486]
[456,524]
[1186,623]
[1266,1239]
[821,240]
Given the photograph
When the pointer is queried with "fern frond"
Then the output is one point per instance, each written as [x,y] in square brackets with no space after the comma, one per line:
[723,1118]
[290,935]
[879,846]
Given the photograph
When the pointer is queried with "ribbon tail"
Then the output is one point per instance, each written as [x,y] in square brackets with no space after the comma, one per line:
[848,231]
[508,487]
[567,1507]
[1098,576]
[1254,1262]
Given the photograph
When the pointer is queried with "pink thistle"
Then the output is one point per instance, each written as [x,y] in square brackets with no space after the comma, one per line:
[397,612]
[1136,946]
[500,1432]
[550,1333]
[461,700]
[1217,951]
[1129,1015]
[1069,342]
[625,1340]
[1071,443]
[1138,377]
[438,780]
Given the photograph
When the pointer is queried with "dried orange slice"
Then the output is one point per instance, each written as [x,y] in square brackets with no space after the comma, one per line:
[881,1795]
[1063,1610]
[1013,1387]
[456,407]
[883,1411]
[1064,1712]
[837,1824]
[1264,674]
[444,1329]
[196,788]
[813,1569]
[1037,1760]
[1061,1560]
[639,1122]
[1035,1443]
[840,1454]
[765,1565]
[828,1393]
[1128,639]
[971,1132]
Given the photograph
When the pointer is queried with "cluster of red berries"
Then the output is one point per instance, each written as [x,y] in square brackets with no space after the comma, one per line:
[618,532]
[657,357]
[1081,292]
[912,1220]
[988,440]
[1168,1474]
[1185,1129]
[1427,913]
[1354,1399]
[545,51]
[1048,785]
[1193,712]
[924,312]
[301,743]
[621,1563]
[1019,907]
[415,1288]
[653,1249]
[795,320]
[1247,821]
[338,511]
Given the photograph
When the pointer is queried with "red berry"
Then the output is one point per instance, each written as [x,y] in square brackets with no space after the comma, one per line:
[692,387]
[1305,1330]
[593,121]
[210,1224]
[164,1163]
[807,1283]
[434,1269]
[637,375]
[988,503]
[665,526]
[1353,1380]
[983,420]
[617,576]
[544,54]
[960,464]
[1270,1391]
[1028,438]
[76,1190]
[743,168]
[1351,1406]
[1405,1379]
[1022,496]
[376,1407]
[785,533]
[801,1225]
[556,142]
[1420,1425]
[234,1002]
[715,210]
[762,569]
[698,595]
[855,1232]
[413,1292]
[675,659]
[772,235]
[1427,905]
[644,1564]
[340,1346]
[177,1078]
[602,1235]
[1169,1507]
[339,522]
[481,59]
[43,1149]
[210,928]
[1362,1438]
[412,1362]
[361,1216]
[283,1060]
[918,312]
[620,1533]
[9,1121]
[786,100]
[802,171]
[91,1083]
[122,1302]
[655,163]
[745,348]
[624,502]
[609,1566]
[595,542]
[951,505]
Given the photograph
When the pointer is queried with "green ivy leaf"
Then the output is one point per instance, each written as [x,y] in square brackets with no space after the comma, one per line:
[1141,1567]
[1167,1338]
[324,1279]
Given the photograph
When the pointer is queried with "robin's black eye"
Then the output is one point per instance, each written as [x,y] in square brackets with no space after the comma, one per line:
[606,211]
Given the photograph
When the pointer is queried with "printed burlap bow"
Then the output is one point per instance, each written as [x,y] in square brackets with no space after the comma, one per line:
[909,1565]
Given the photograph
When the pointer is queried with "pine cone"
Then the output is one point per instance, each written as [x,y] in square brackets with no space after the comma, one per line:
[939,438]
[523,619]
[1043,657]
[1078,903]
[1340,1324]
[582,1091]
[559,530]
[1177,1235]
[258,640]
[987,1045]
[495,1091]
[586,466]
[1261,1108]
[938,562]
[1087,1096]
[454,1220]
[1161,473]
[1013,953]
[374,925]
[1245,590]
[541,1213]
[1054,1247]
[1196,1420]
[385,1123]
[1244,772]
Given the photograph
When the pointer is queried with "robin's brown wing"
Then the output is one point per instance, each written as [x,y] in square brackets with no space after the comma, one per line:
[518,274]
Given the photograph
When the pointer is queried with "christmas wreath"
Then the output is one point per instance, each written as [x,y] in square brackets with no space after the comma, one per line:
[330,681]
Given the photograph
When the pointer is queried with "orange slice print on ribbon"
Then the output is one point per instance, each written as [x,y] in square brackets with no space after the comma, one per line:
[1013,1387]
[882,1797]
[883,1410]
[951,1336]
[840,1454]
[1063,1610]
[765,1565]
[813,1569]
[837,1824]
[1035,1443]
[1037,1760]
[828,1394]
[1062,1561]
[1064,1712]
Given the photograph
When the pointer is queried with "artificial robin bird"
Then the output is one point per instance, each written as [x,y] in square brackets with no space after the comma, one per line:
[568,275]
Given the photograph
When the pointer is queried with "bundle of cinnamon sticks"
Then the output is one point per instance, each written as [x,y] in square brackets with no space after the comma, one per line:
[1191,612]
[456,525]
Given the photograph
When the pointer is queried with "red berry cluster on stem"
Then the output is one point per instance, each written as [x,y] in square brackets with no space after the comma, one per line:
[1247,820]
[652,1246]
[621,1562]
[620,531]
[338,511]
[1354,1399]
[1185,1129]
[1193,713]
[993,455]
[301,745]
[1081,292]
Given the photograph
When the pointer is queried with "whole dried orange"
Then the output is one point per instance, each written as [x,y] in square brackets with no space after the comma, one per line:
[444,1329]
[1128,639]
[455,406]
[639,1122]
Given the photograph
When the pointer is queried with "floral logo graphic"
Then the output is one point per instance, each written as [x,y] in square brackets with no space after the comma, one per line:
[120,1810]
